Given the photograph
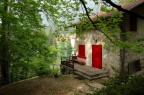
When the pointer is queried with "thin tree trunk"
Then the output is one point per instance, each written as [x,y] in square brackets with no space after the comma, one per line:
[4,54]
[122,58]
[26,73]
[122,50]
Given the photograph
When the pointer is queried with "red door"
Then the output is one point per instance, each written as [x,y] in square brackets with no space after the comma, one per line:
[97,56]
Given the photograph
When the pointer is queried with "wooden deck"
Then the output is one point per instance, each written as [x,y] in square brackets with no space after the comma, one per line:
[83,70]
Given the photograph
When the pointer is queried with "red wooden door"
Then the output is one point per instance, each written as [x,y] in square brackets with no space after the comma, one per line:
[97,56]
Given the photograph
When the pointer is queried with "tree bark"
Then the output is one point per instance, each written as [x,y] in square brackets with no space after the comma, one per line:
[122,50]
[4,54]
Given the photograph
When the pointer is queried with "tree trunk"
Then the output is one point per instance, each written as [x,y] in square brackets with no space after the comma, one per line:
[122,50]
[122,58]
[4,54]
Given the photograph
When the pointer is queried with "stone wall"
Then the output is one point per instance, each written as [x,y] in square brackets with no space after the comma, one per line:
[131,55]
[110,59]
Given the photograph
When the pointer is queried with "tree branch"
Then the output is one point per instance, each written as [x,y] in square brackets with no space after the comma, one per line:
[94,24]
[124,10]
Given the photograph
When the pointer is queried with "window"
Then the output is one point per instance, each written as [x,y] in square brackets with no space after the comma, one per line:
[81,51]
[133,23]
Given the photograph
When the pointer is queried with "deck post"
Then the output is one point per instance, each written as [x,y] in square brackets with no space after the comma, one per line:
[73,65]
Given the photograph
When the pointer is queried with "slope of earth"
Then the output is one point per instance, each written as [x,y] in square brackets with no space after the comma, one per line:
[64,85]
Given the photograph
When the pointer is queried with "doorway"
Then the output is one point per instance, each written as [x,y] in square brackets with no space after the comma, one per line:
[97,56]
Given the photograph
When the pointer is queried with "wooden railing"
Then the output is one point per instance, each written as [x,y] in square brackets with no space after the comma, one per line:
[70,61]
[67,61]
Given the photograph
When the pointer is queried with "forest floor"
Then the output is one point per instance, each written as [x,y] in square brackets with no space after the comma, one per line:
[64,85]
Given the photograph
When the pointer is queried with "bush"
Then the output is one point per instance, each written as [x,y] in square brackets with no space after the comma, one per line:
[43,69]
[131,85]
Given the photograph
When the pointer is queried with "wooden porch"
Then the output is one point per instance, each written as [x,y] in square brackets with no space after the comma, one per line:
[82,70]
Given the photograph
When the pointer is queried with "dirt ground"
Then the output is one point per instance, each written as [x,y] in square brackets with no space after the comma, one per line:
[64,85]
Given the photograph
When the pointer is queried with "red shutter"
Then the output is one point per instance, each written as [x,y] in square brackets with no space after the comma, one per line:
[133,23]
[81,51]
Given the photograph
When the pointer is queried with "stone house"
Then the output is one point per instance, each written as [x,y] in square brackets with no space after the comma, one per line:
[91,49]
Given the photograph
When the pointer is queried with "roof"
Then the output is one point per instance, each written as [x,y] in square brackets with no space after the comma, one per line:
[132,5]
[128,6]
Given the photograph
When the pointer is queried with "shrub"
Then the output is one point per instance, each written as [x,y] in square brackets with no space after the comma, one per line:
[131,85]
[43,69]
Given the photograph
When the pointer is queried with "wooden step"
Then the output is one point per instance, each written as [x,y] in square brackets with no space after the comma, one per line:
[81,74]
[90,71]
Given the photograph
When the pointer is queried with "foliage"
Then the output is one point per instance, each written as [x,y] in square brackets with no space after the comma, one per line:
[56,71]
[131,85]
[29,52]
[64,46]
[31,56]
[28,48]
[125,1]
[107,24]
